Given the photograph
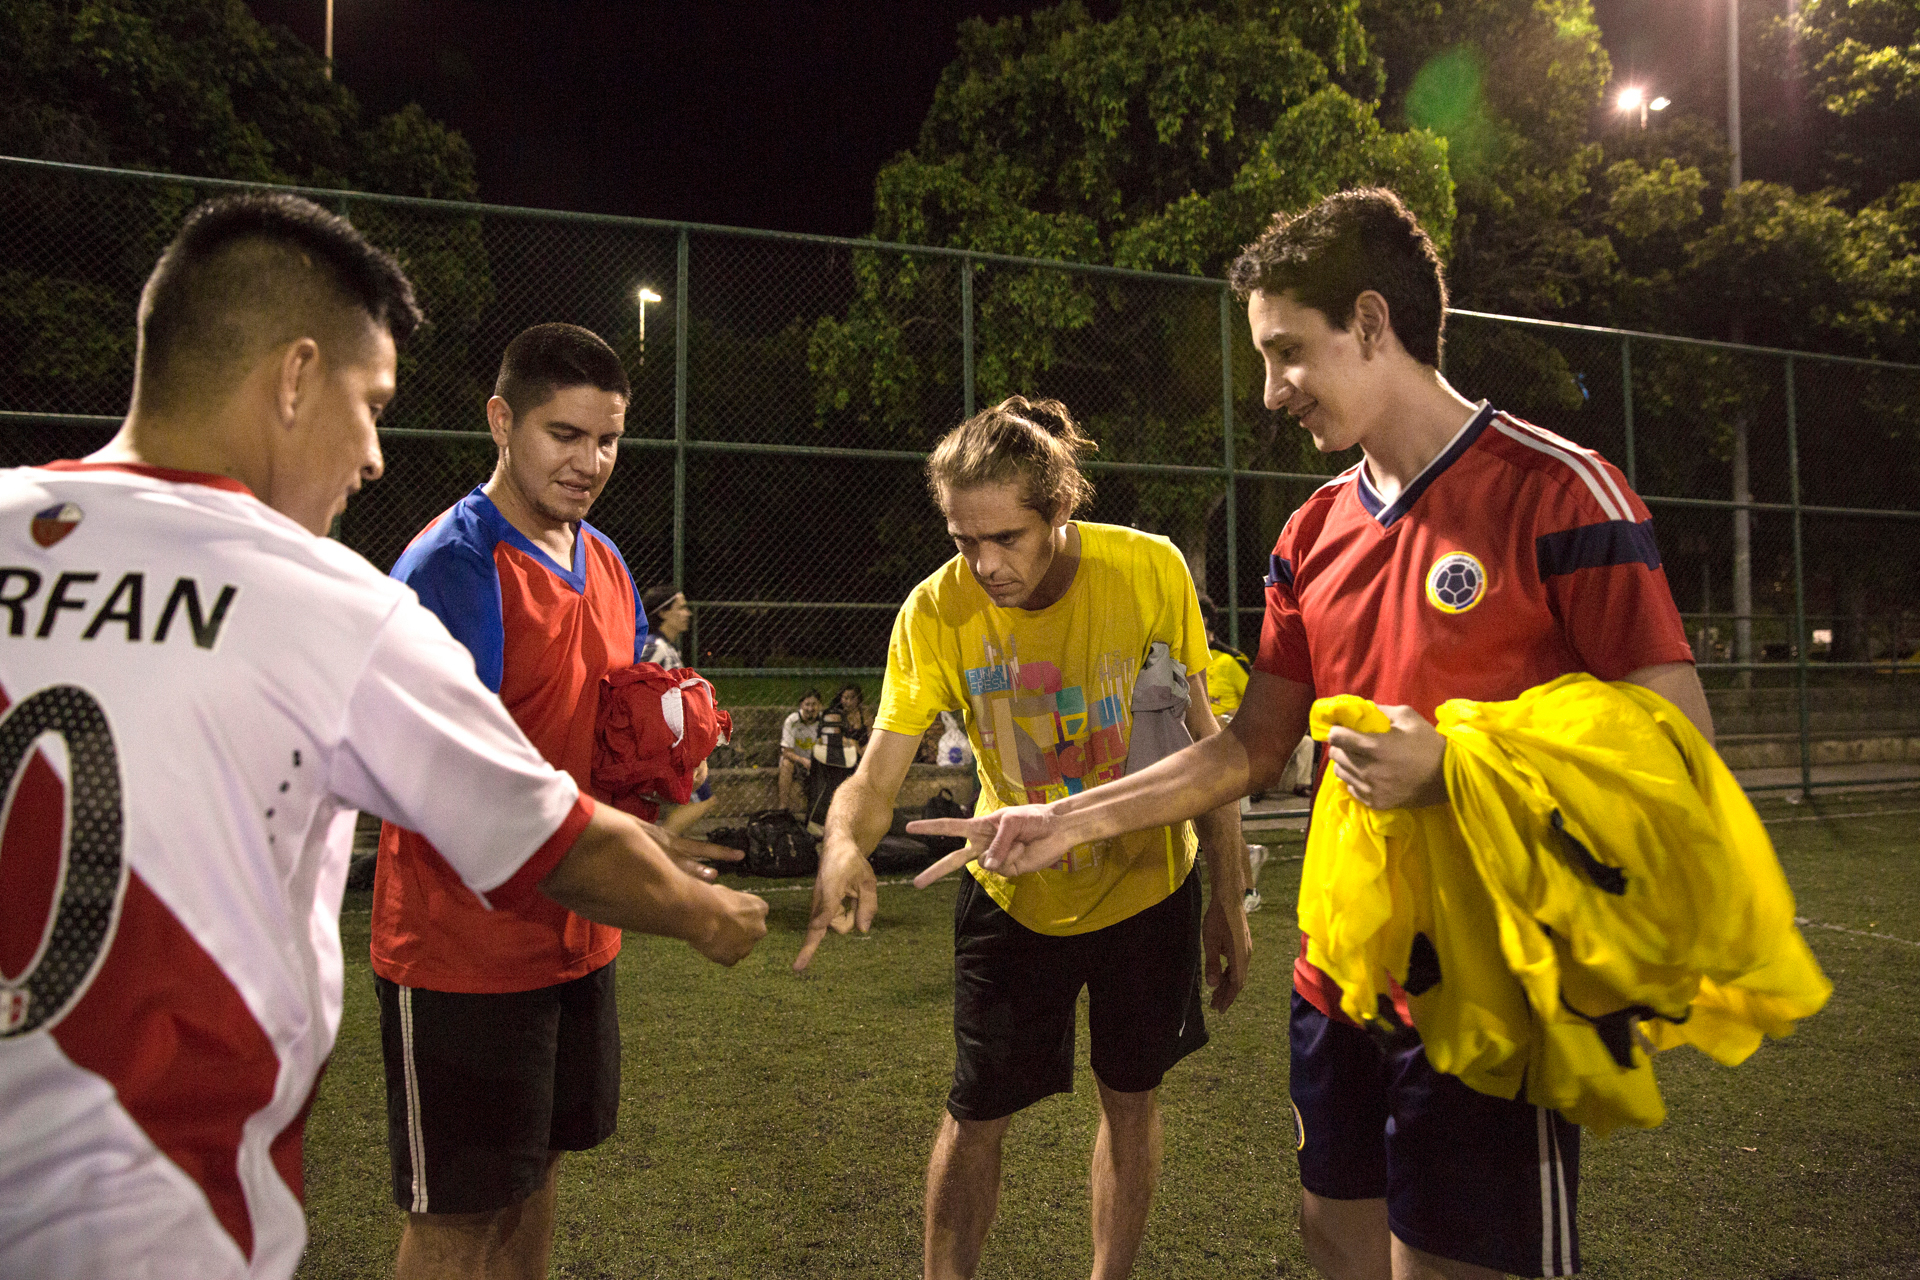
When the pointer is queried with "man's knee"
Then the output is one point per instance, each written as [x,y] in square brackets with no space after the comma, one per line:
[1344,1238]
[1128,1109]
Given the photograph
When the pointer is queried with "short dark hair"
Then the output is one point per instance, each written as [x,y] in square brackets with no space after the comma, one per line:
[247,273]
[1348,243]
[812,693]
[547,357]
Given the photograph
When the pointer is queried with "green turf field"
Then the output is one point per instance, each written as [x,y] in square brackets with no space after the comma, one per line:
[775,1125]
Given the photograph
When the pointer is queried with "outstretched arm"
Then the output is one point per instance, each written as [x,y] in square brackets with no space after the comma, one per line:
[1247,755]
[633,875]
[845,895]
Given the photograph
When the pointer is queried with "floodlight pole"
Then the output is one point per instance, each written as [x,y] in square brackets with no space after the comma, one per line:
[329,39]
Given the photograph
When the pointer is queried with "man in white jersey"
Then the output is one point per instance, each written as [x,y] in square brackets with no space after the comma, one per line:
[199,691]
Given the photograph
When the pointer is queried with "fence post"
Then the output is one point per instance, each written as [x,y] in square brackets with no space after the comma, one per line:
[1799,592]
[966,335]
[680,420]
[1626,400]
[1226,452]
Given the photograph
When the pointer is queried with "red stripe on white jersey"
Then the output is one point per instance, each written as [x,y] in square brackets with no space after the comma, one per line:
[168,1030]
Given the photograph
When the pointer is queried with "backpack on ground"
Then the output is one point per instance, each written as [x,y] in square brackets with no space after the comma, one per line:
[896,855]
[777,845]
[943,805]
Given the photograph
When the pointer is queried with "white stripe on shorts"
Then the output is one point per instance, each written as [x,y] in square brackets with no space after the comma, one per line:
[416,1140]
[1556,1215]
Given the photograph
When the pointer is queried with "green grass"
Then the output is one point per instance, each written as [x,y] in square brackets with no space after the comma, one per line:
[775,1125]
[786,691]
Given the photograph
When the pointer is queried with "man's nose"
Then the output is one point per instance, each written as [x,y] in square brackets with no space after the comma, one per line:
[1279,390]
[376,463]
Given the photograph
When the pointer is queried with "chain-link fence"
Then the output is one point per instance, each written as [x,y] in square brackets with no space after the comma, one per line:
[787,387]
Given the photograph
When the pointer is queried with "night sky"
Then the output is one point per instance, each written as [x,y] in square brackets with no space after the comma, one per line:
[746,112]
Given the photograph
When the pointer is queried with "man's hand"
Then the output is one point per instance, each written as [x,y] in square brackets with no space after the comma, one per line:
[845,897]
[1224,938]
[692,855]
[1008,842]
[740,922]
[1398,769]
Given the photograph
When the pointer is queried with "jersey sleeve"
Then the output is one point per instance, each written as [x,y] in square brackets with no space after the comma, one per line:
[790,731]
[1283,633]
[921,669]
[427,748]
[462,589]
[1600,568]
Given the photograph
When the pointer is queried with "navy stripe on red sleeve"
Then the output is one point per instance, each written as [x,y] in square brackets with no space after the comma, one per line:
[1279,572]
[1594,546]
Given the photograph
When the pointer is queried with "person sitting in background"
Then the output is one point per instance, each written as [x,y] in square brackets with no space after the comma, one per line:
[796,748]
[668,614]
[855,720]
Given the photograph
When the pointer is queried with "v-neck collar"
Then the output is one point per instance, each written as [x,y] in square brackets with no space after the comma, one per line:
[575,577]
[1385,513]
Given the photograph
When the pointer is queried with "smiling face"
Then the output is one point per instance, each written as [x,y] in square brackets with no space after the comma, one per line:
[810,708]
[556,457]
[1008,545]
[1315,371]
[332,446]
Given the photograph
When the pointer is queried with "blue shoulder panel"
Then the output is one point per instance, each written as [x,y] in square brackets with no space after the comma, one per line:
[450,567]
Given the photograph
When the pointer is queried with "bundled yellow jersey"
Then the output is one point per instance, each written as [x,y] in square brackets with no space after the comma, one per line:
[1598,886]
[1049,697]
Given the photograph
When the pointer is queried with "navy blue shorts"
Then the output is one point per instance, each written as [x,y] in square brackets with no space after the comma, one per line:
[1465,1176]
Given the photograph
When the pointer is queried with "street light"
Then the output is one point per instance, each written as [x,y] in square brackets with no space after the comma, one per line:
[1634,98]
[329,39]
[645,295]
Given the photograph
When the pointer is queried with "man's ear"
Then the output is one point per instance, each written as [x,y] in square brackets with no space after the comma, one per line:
[297,377]
[1371,321]
[499,420]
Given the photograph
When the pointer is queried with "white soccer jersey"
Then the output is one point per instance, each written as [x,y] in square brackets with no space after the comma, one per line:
[195,696]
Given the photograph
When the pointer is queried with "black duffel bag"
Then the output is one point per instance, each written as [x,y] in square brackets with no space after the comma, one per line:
[777,845]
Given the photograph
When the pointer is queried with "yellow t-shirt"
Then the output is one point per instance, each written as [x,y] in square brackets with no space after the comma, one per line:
[1047,697]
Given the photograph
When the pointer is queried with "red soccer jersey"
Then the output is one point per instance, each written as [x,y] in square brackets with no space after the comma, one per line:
[1516,557]
[541,637]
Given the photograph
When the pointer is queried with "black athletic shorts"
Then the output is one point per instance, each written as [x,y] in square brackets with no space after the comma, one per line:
[1015,991]
[1465,1176]
[481,1087]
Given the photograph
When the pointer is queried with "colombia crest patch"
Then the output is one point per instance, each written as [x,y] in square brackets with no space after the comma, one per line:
[1456,582]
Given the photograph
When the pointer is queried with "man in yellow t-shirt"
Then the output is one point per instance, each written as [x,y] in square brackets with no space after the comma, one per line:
[1077,654]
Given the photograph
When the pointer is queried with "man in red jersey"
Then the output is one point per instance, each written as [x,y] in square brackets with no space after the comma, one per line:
[1468,554]
[500,1031]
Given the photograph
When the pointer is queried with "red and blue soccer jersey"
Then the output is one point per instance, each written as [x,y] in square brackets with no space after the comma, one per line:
[1516,557]
[541,637]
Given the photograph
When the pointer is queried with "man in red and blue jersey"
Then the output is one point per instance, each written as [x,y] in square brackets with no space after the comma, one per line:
[1467,554]
[500,1031]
